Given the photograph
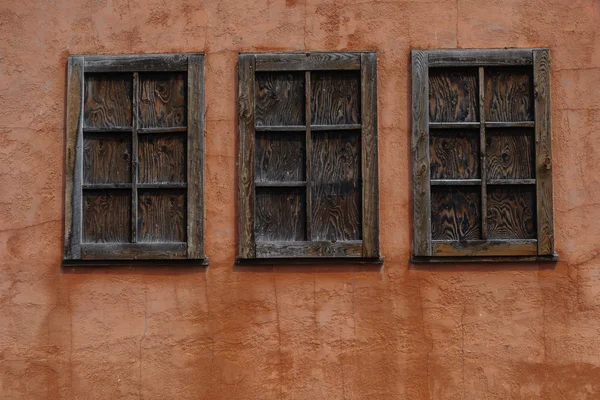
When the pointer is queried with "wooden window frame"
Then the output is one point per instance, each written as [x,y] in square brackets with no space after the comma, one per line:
[191,251]
[424,248]
[363,251]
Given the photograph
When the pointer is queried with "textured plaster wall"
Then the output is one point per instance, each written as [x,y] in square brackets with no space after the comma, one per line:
[401,331]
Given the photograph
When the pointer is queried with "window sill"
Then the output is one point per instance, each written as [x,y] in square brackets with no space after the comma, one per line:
[309,260]
[484,259]
[200,262]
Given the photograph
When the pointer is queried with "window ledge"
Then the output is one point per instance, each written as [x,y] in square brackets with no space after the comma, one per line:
[309,260]
[484,259]
[200,262]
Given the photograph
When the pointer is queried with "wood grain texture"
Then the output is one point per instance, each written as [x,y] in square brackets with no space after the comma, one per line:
[369,160]
[74,158]
[479,57]
[508,94]
[309,249]
[509,154]
[454,155]
[106,158]
[511,212]
[106,216]
[135,160]
[485,248]
[280,214]
[246,85]
[195,157]
[420,154]
[162,158]
[279,98]
[336,186]
[108,100]
[280,157]
[136,62]
[314,61]
[482,151]
[163,100]
[133,251]
[162,216]
[455,213]
[543,153]
[453,95]
[335,98]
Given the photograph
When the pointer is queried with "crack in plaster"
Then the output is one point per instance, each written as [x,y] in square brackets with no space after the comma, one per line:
[30,226]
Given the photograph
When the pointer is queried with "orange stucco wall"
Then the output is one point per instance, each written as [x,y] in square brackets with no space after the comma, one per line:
[400,331]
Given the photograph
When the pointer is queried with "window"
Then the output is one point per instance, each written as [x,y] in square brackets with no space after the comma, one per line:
[308,157]
[135,138]
[482,171]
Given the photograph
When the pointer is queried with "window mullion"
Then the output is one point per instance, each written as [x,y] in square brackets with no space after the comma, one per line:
[482,151]
[308,150]
[134,155]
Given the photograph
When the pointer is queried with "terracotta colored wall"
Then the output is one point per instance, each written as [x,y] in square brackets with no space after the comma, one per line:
[522,331]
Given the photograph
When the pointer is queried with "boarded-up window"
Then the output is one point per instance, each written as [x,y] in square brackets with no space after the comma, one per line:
[482,155]
[308,156]
[135,142]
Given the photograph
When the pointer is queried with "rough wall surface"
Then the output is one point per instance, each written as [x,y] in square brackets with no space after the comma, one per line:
[401,331]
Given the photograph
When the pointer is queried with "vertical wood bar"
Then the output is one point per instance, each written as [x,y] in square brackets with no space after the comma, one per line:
[134,156]
[482,159]
[246,68]
[420,152]
[369,167]
[543,152]
[195,157]
[308,117]
[74,159]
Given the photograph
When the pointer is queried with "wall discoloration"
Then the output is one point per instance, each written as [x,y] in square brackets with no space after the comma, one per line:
[301,332]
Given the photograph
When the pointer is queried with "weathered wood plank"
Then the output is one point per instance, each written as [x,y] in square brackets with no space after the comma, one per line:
[339,127]
[308,153]
[543,153]
[281,128]
[162,158]
[281,184]
[511,181]
[104,186]
[369,156]
[280,157]
[135,161]
[479,57]
[508,94]
[106,216]
[74,158]
[455,213]
[307,61]
[485,248]
[455,182]
[136,63]
[510,154]
[162,216]
[133,251]
[335,98]
[511,212]
[173,129]
[279,99]
[453,95]
[454,125]
[420,153]
[163,100]
[454,155]
[195,157]
[483,152]
[280,214]
[106,158]
[108,100]
[510,124]
[336,186]
[309,249]
[106,131]
[246,85]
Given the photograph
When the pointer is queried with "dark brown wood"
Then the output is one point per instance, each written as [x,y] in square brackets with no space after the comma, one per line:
[74,158]
[479,57]
[136,62]
[279,99]
[420,153]
[246,69]
[104,186]
[485,248]
[104,131]
[336,186]
[455,182]
[454,125]
[106,216]
[511,212]
[369,160]
[455,213]
[280,157]
[453,95]
[163,100]
[335,98]
[308,153]
[162,158]
[510,124]
[342,127]
[108,100]
[133,251]
[162,185]
[281,128]
[309,249]
[508,94]
[195,157]
[162,216]
[511,181]
[280,214]
[486,259]
[543,155]
[135,159]
[175,129]
[454,155]
[344,261]
[106,158]
[308,61]
[510,154]
[281,184]
[482,153]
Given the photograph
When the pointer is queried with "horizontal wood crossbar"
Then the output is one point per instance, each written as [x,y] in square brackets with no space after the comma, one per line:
[133,251]
[308,61]
[479,57]
[174,129]
[520,247]
[281,184]
[320,249]
[136,63]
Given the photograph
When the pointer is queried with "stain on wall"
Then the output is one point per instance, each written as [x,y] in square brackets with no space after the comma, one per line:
[400,331]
